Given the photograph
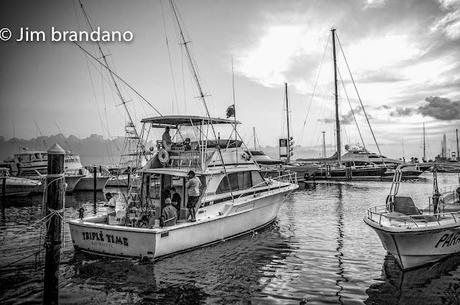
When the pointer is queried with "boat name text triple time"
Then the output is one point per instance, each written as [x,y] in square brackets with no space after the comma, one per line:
[56,35]
[449,239]
[106,238]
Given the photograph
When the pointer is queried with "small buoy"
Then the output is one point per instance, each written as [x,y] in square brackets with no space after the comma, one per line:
[303,302]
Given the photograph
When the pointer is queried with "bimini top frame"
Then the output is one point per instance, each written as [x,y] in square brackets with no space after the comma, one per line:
[185,120]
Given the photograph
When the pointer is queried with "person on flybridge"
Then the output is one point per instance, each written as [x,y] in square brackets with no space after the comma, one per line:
[166,139]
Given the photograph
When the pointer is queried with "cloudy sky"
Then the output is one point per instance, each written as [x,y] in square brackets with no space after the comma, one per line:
[403,55]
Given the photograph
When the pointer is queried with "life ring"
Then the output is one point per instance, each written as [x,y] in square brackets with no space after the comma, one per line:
[246,156]
[163,156]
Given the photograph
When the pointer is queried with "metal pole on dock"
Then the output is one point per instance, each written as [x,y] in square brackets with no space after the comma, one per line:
[456,134]
[129,176]
[94,189]
[54,203]
[4,187]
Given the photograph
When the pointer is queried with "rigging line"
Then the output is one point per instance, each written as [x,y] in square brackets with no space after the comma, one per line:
[171,70]
[45,146]
[351,108]
[95,102]
[314,89]
[357,93]
[104,57]
[200,89]
[60,131]
[118,77]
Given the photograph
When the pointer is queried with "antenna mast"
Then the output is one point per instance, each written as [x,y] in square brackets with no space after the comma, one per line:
[288,157]
[254,134]
[324,144]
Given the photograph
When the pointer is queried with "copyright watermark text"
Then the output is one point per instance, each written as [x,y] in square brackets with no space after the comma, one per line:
[24,34]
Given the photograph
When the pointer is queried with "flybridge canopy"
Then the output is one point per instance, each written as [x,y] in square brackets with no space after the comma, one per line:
[185,120]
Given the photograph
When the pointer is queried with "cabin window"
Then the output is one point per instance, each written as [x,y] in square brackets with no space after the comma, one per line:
[244,180]
[25,158]
[257,179]
[240,181]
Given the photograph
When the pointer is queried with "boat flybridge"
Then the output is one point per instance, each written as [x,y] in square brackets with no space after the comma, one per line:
[234,197]
[413,236]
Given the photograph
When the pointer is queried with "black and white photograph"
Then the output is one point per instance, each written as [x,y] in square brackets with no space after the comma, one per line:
[300,152]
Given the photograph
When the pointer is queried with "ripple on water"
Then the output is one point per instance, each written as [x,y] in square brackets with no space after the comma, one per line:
[319,249]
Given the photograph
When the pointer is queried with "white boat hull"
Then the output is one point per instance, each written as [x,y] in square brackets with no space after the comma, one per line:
[122,181]
[249,214]
[419,247]
[72,182]
[87,183]
[20,186]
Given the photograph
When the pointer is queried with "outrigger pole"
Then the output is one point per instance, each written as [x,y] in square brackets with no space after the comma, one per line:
[200,89]
[234,111]
[118,91]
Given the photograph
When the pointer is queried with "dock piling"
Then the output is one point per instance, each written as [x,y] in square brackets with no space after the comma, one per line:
[54,206]
[94,189]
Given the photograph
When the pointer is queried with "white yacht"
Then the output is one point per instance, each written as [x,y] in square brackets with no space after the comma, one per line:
[16,186]
[415,237]
[33,164]
[235,199]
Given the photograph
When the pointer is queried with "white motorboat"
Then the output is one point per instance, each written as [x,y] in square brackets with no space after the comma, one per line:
[17,186]
[33,165]
[235,198]
[86,182]
[412,236]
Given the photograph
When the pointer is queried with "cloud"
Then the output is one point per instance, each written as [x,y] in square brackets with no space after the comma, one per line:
[440,108]
[402,111]
[347,118]
[449,24]
[374,4]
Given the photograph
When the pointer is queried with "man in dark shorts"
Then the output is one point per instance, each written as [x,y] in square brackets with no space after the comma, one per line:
[193,190]
[175,199]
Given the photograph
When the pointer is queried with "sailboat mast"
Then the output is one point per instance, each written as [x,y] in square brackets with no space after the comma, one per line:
[288,158]
[424,144]
[336,96]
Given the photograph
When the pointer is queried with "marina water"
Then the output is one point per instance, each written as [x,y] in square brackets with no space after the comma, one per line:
[319,249]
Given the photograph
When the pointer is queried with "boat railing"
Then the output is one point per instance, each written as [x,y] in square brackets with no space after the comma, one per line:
[379,214]
[289,177]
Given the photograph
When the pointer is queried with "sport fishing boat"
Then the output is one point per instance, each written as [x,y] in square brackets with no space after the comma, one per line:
[415,237]
[235,199]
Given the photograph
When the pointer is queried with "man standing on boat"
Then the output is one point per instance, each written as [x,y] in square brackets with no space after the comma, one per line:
[193,190]
[166,139]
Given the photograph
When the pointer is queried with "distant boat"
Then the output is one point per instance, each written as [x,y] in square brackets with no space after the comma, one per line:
[33,164]
[17,186]
[412,236]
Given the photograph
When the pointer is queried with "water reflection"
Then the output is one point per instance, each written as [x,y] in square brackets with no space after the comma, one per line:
[228,272]
[319,249]
[340,225]
[425,285]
